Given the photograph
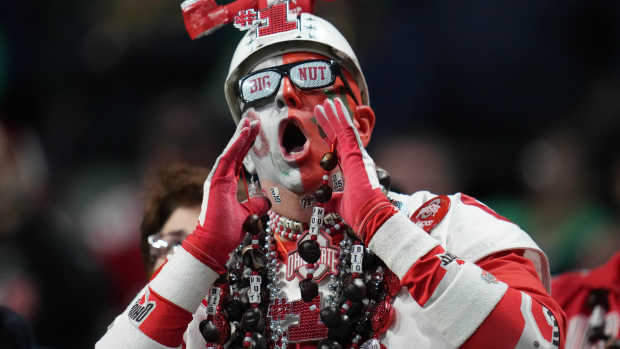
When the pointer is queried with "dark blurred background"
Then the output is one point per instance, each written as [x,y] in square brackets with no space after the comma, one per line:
[514,102]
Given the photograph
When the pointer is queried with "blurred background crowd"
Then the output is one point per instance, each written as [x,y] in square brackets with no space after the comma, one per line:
[514,102]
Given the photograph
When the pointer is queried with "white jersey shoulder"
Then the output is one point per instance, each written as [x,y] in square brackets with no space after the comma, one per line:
[472,232]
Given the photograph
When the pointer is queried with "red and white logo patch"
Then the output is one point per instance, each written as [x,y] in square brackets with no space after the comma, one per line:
[431,213]
[296,266]
[141,309]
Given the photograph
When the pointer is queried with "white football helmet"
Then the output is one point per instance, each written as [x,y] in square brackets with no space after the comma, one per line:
[312,34]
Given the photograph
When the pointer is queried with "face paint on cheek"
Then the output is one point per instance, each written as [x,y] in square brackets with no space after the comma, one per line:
[309,166]
[340,93]
[320,129]
[261,145]
[266,157]
[282,168]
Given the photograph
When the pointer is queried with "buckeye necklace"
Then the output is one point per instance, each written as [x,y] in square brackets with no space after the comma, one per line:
[249,299]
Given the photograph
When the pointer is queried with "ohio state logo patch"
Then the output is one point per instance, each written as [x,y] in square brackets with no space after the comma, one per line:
[296,266]
[141,309]
[431,213]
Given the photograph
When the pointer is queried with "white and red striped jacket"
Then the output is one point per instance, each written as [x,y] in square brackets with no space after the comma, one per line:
[493,294]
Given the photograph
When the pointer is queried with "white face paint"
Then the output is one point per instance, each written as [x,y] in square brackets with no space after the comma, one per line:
[266,157]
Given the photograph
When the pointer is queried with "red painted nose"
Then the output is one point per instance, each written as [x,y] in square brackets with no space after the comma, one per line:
[289,94]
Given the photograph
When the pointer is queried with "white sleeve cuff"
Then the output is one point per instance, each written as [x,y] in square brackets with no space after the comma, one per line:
[465,303]
[123,334]
[400,243]
[184,280]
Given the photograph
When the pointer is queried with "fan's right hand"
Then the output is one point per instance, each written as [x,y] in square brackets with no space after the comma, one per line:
[219,228]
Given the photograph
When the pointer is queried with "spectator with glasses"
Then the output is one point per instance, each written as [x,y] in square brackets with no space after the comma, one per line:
[172,206]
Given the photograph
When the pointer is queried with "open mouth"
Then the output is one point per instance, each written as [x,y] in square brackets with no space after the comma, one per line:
[293,140]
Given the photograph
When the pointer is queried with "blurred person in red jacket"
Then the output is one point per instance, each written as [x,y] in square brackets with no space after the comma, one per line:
[591,300]
[591,297]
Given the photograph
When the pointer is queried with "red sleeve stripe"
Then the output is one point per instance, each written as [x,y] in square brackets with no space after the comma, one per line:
[194,276]
[425,275]
[546,332]
[502,328]
[161,320]
[544,320]
[462,300]
[533,326]
[400,243]
[468,200]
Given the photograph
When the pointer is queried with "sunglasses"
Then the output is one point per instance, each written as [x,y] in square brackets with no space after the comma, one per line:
[259,88]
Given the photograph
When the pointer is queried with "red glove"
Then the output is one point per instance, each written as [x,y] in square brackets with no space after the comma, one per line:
[362,204]
[219,228]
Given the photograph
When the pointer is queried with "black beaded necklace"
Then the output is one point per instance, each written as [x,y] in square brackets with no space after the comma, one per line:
[356,313]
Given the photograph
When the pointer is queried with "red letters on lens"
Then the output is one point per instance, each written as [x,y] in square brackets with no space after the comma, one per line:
[311,72]
[259,83]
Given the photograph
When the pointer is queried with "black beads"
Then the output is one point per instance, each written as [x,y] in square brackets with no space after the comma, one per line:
[384,178]
[236,340]
[355,290]
[260,342]
[370,261]
[216,329]
[374,287]
[253,258]
[330,316]
[253,224]
[329,344]
[309,250]
[309,289]
[355,310]
[323,194]
[251,320]
[209,331]
[329,161]
[235,309]
[341,334]
[363,326]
